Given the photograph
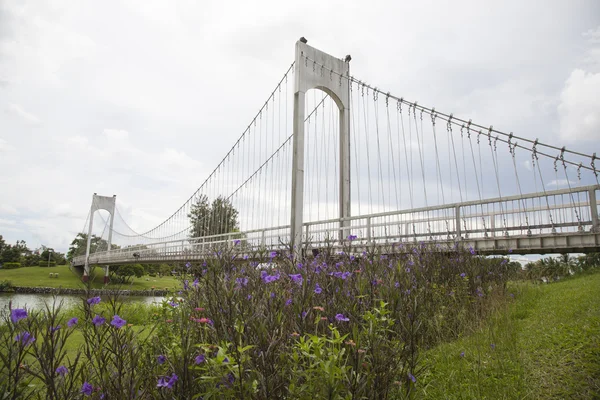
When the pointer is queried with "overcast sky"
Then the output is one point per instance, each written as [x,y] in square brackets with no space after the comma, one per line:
[142,98]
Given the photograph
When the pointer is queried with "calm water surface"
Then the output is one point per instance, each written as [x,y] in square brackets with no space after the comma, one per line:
[36,301]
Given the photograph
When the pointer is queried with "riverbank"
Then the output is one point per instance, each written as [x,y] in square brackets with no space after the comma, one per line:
[79,291]
[32,279]
[545,345]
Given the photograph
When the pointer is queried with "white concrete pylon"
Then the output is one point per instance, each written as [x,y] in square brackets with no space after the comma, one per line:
[99,203]
[308,68]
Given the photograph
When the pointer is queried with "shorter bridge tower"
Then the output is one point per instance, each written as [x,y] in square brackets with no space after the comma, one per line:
[99,203]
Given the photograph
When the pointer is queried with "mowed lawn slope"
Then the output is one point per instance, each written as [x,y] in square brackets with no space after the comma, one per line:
[545,345]
[39,277]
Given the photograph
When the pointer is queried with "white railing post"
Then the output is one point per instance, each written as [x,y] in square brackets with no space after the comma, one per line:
[594,210]
[457,223]
[369,229]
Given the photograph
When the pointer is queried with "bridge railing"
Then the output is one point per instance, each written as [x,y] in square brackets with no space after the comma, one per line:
[554,212]
[192,248]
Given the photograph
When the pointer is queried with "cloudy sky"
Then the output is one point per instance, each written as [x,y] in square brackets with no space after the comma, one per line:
[142,98]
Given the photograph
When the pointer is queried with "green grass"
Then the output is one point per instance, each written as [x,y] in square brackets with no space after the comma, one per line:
[39,277]
[546,345]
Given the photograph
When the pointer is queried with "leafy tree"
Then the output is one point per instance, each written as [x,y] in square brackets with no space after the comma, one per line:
[588,261]
[50,254]
[78,245]
[30,260]
[212,218]
[12,253]
[2,246]
[124,273]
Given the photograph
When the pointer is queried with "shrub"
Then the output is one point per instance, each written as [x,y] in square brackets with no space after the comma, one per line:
[11,265]
[47,263]
[349,324]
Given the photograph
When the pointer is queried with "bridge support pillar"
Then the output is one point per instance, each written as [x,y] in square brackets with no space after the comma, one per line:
[106,274]
[308,68]
[98,203]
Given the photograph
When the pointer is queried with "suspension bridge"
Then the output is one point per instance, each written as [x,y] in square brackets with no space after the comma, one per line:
[330,158]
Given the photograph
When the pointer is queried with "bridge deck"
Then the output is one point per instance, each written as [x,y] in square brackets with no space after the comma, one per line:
[537,223]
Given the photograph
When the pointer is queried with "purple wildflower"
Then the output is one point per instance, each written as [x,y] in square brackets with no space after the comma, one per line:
[25,338]
[270,278]
[72,322]
[318,289]
[463,275]
[167,382]
[225,360]
[196,282]
[297,278]
[161,359]
[62,370]
[397,284]
[98,320]
[341,317]
[118,322]
[162,382]
[412,377]
[237,241]
[55,328]
[288,302]
[186,284]
[93,300]
[462,353]
[272,254]
[341,275]
[200,359]
[173,304]
[87,389]
[351,237]
[493,346]
[17,314]
[472,250]
[241,282]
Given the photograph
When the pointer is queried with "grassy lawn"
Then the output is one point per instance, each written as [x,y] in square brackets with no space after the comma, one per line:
[39,277]
[545,345]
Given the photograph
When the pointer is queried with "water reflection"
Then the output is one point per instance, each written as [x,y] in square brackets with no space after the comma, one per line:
[35,301]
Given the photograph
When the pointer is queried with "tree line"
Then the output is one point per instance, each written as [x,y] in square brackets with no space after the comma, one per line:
[19,254]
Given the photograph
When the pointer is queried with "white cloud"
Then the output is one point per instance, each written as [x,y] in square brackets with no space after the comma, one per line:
[560,183]
[5,146]
[17,110]
[579,108]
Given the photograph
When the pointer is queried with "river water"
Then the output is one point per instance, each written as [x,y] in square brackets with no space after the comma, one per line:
[35,301]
